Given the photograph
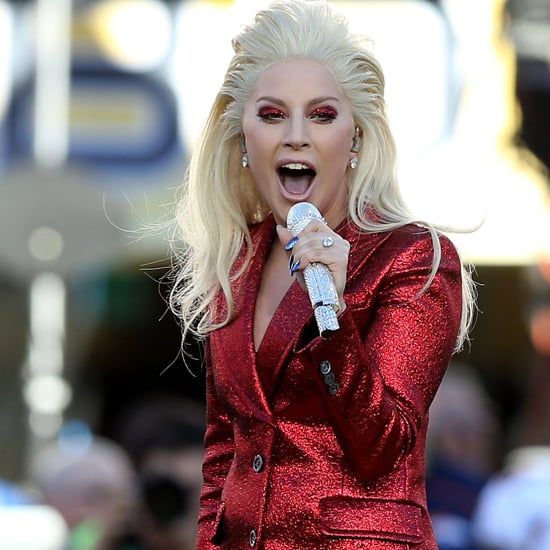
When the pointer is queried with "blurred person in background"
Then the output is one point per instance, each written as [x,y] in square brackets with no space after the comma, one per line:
[89,480]
[164,438]
[463,449]
[514,506]
[13,495]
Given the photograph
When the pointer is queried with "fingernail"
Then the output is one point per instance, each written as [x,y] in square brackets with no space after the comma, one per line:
[294,267]
[291,261]
[290,244]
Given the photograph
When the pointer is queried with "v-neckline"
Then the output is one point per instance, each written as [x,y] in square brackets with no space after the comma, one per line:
[274,275]
[278,314]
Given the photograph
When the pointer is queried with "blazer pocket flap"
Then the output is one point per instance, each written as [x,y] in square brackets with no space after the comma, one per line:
[397,521]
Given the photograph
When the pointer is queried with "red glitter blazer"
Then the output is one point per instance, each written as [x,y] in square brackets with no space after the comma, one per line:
[318,444]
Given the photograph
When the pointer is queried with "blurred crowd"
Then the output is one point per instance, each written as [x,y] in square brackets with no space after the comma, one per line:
[139,489]
[135,491]
[483,494]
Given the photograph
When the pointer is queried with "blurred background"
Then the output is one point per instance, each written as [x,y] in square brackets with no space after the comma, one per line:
[100,104]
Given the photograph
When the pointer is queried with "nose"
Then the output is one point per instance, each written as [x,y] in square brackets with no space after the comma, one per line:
[296,136]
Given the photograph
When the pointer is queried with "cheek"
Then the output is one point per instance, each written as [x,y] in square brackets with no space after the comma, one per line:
[257,139]
[253,143]
[338,149]
[340,140]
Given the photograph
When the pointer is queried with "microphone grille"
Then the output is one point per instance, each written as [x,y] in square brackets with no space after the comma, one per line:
[299,215]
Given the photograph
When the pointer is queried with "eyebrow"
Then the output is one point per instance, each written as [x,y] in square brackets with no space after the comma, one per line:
[313,101]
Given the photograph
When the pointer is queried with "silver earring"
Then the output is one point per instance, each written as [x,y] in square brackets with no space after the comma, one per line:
[353,163]
[245,162]
[356,144]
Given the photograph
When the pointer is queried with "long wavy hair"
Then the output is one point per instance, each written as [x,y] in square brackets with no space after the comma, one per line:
[220,200]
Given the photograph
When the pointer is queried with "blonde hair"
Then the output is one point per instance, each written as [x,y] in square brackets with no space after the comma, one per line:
[220,199]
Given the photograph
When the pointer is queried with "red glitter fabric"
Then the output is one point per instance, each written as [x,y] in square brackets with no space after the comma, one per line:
[319,444]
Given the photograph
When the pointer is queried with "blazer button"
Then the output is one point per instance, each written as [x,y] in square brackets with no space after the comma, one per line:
[252,538]
[325,367]
[329,378]
[333,388]
[258,463]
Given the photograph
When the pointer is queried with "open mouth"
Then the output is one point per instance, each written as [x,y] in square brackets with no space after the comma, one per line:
[296,177]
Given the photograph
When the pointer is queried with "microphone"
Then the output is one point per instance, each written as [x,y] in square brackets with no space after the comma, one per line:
[318,278]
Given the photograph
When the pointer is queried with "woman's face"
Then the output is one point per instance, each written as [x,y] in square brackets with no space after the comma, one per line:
[299,129]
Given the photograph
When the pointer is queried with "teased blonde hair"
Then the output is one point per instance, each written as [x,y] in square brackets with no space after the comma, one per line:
[220,199]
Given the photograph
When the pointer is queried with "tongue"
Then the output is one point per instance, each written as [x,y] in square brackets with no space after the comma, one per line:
[297,185]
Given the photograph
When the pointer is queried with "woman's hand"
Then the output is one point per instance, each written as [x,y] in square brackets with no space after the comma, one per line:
[310,247]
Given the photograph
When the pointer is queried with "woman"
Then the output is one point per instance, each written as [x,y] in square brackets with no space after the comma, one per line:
[312,443]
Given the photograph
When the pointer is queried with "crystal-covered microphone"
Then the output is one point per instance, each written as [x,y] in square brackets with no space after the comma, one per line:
[318,278]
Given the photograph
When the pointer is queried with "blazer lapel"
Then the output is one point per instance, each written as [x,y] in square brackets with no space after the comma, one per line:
[235,341]
[279,341]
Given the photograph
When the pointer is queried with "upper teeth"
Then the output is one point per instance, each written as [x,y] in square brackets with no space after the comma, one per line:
[295,166]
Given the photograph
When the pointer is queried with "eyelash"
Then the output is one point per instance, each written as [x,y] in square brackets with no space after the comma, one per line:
[327,114]
[270,113]
[324,114]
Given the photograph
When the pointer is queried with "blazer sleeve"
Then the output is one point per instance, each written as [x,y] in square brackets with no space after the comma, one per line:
[389,356]
[218,455]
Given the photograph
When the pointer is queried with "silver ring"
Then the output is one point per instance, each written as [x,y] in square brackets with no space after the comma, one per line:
[328,242]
